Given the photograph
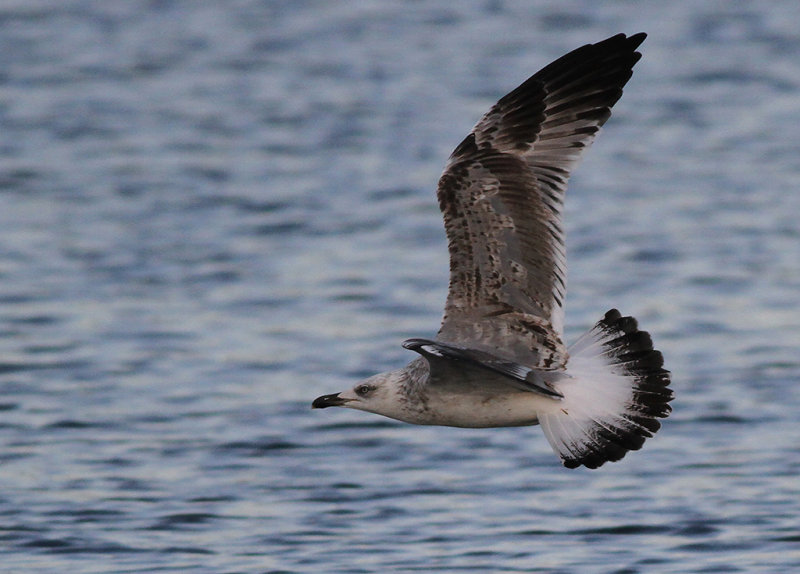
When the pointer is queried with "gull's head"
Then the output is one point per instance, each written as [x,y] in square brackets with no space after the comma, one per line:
[380,394]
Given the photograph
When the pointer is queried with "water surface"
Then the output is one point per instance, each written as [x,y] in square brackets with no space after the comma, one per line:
[212,213]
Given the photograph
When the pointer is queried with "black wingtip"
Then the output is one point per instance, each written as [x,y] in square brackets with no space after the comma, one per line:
[617,41]
[416,344]
[635,40]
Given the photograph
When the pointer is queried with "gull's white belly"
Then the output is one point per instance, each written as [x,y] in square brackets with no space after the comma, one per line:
[479,410]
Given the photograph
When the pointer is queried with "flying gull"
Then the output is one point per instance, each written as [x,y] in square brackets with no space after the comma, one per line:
[499,358]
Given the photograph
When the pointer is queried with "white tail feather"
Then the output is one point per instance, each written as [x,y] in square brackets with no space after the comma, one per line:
[614,389]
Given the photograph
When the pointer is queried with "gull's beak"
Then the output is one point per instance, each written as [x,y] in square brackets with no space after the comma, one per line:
[326,401]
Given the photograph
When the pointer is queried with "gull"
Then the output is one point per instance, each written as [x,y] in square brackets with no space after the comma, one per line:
[499,359]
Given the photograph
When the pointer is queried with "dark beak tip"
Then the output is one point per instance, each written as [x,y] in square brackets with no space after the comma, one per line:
[326,401]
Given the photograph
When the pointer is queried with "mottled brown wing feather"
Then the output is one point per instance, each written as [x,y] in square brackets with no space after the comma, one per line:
[502,193]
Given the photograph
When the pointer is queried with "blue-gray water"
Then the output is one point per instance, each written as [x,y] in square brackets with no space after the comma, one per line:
[211,213]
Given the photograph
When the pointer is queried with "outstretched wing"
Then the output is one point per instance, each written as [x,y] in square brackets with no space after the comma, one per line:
[501,195]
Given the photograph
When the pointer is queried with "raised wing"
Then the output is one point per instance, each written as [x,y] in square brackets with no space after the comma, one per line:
[502,193]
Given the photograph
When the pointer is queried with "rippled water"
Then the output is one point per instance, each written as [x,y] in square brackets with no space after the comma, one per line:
[213,212]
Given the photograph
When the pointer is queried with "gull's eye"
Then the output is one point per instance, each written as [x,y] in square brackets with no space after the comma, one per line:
[364,390]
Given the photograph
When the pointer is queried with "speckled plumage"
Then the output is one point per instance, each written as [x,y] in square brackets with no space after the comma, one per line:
[499,358]
[502,194]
